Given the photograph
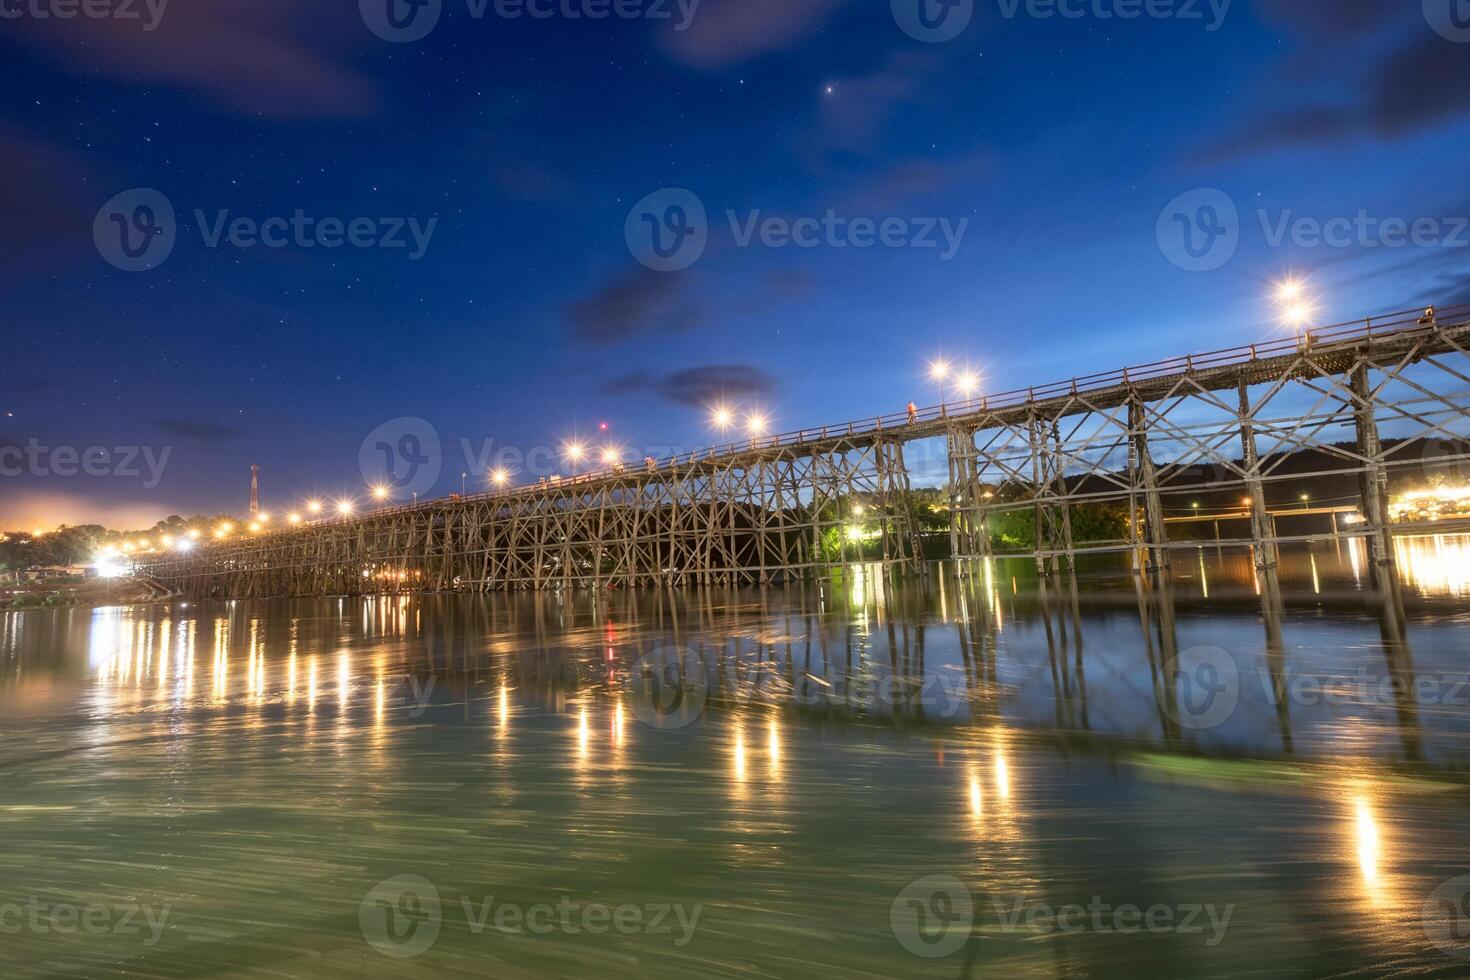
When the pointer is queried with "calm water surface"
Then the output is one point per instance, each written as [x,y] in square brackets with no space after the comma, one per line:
[1207,776]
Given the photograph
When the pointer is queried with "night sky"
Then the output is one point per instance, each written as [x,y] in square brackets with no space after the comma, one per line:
[1064,144]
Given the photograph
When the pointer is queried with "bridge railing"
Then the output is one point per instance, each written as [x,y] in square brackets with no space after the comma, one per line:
[1404,322]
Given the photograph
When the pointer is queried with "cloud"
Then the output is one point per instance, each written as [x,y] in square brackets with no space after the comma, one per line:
[727,32]
[261,57]
[194,429]
[44,220]
[855,112]
[697,387]
[50,508]
[1421,83]
[639,302]
[1329,19]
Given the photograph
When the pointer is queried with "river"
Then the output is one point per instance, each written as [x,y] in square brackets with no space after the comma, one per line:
[1212,774]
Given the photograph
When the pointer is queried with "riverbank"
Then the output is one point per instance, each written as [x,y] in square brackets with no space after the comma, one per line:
[69,595]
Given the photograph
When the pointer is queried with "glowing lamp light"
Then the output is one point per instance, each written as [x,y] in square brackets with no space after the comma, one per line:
[721,417]
[610,456]
[756,424]
[315,506]
[1289,291]
[184,545]
[254,527]
[263,517]
[344,506]
[194,534]
[939,370]
[575,451]
[500,477]
[967,382]
[293,518]
[380,492]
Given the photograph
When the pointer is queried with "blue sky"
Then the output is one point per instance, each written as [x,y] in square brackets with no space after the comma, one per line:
[1059,142]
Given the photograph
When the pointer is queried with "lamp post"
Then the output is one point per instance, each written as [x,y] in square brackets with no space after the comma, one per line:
[939,370]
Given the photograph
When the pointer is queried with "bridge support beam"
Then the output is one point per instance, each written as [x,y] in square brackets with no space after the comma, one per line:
[1143,476]
[1373,480]
[1262,539]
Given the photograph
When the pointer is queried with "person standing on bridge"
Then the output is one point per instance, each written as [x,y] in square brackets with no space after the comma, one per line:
[913,413]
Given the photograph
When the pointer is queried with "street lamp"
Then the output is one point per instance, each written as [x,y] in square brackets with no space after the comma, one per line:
[756,424]
[574,452]
[500,477]
[380,492]
[314,506]
[344,507]
[939,370]
[722,418]
[967,382]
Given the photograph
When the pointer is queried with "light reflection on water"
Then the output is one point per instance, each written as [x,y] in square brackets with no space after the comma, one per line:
[1030,738]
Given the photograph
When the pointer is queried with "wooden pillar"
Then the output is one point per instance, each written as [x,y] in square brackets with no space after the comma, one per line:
[1039,482]
[1061,485]
[1262,527]
[1373,481]
[1146,478]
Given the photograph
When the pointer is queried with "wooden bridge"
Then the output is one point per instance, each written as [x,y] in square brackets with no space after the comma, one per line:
[1368,399]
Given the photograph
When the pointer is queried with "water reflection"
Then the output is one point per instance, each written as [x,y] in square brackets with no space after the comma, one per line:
[1036,737]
